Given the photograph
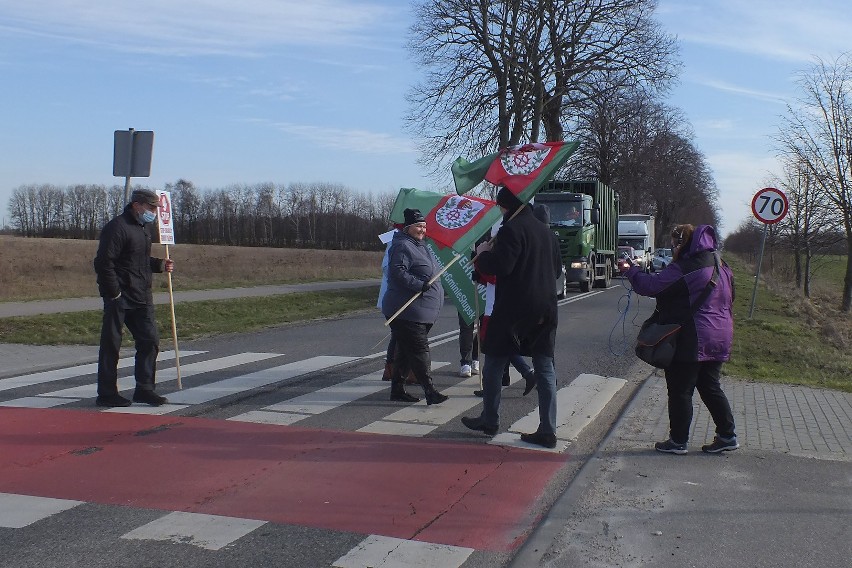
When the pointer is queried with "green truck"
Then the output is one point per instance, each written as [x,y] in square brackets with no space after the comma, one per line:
[584,215]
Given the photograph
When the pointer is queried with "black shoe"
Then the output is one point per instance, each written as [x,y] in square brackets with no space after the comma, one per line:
[671,447]
[479,393]
[478,424]
[434,397]
[531,380]
[507,380]
[720,445]
[148,397]
[540,439]
[112,401]
[398,393]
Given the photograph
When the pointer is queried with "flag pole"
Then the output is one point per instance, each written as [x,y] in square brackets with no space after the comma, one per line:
[174,325]
[418,294]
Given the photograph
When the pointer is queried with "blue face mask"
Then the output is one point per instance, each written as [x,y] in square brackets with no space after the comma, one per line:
[147,217]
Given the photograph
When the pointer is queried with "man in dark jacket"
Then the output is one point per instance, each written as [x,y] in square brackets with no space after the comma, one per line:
[124,265]
[525,262]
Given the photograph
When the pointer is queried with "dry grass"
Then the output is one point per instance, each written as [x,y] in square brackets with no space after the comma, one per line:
[33,269]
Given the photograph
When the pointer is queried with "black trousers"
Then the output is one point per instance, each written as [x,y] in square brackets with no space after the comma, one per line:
[412,351]
[682,378]
[468,342]
[139,319]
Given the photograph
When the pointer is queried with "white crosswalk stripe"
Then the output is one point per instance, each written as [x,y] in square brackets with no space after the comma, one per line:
[578,403]
[77,371]
[212,532]
[19,511]
[384,551]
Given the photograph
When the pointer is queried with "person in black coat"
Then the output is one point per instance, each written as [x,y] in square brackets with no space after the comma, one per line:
[124,266]
[524,319]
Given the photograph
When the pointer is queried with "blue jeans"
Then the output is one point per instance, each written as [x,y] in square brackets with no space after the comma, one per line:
[492,375]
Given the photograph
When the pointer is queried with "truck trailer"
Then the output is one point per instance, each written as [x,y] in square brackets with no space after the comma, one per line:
[584,215]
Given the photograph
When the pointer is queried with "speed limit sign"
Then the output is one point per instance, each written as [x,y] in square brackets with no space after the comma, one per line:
[769,205]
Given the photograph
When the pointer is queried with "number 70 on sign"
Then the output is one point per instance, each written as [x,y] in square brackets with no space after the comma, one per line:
[769,205]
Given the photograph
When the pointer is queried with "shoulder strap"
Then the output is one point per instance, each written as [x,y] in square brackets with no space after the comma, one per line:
[710,285]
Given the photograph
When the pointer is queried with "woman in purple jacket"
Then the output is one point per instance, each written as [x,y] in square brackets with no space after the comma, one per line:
[704,342]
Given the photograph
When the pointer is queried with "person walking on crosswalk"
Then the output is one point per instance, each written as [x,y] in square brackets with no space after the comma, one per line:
[410,269]
[526,262]
[124,265]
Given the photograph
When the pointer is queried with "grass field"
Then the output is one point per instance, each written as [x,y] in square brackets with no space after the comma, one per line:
[788,340]
[38,269]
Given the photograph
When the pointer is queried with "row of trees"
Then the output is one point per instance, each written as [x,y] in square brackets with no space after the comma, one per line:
[496,74]
[815,143]
[502,73]
[313,215]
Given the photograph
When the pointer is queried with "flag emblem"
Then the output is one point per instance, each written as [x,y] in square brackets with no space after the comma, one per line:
[457,212]
[523,160]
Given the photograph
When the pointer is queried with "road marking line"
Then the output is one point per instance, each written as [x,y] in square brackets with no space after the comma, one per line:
[19,511]
[577,405]
[146,409]
[170,374]
[78,371]
[219,389]
[386,552]
[332,397]
[264,417]
[36,402]
[212,532]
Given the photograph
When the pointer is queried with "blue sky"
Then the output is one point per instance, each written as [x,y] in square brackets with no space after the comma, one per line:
[314,91]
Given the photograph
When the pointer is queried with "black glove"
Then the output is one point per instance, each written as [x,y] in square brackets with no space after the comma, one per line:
[426,287]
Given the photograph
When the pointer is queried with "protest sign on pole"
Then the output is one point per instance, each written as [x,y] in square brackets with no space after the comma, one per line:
[167,237]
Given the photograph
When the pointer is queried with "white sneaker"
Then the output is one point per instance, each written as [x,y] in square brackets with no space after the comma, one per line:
[465,371]
[475,368]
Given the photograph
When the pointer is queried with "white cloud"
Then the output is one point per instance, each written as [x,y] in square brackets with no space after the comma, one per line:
[192,27]
[737,90]
[738,177]
[355,140]
[776,29]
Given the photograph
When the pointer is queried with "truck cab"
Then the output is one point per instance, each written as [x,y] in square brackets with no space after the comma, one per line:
[637,231]
[583,214]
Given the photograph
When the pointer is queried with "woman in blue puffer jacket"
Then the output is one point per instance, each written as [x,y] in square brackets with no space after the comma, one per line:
[704,342]
[411,268]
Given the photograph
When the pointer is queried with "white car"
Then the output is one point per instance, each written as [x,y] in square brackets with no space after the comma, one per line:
[662,258]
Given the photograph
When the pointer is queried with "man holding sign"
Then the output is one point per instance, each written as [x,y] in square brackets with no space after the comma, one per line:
[124,268]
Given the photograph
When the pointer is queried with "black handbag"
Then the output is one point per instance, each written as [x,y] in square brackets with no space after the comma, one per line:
[657,342]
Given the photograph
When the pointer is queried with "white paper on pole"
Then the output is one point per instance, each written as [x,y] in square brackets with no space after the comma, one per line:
[164,212]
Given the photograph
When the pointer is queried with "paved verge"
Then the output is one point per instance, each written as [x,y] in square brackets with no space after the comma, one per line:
[784,499]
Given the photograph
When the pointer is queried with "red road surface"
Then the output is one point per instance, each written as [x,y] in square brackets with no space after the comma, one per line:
[474,495]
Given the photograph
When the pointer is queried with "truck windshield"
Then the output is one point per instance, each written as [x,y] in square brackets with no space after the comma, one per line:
[638,244]
[567,213]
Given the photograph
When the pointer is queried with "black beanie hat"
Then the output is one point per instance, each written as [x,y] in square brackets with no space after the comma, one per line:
[508,200]
[413,216]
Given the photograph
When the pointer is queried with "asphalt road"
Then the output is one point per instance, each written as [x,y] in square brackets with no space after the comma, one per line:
[342,483]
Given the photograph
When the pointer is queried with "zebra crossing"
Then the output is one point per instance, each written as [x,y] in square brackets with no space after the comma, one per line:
[578,402]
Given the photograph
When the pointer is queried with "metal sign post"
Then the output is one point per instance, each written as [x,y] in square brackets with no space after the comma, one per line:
[769,206]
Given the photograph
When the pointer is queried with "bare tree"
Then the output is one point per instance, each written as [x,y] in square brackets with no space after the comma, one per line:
[500,73]
[817,134]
